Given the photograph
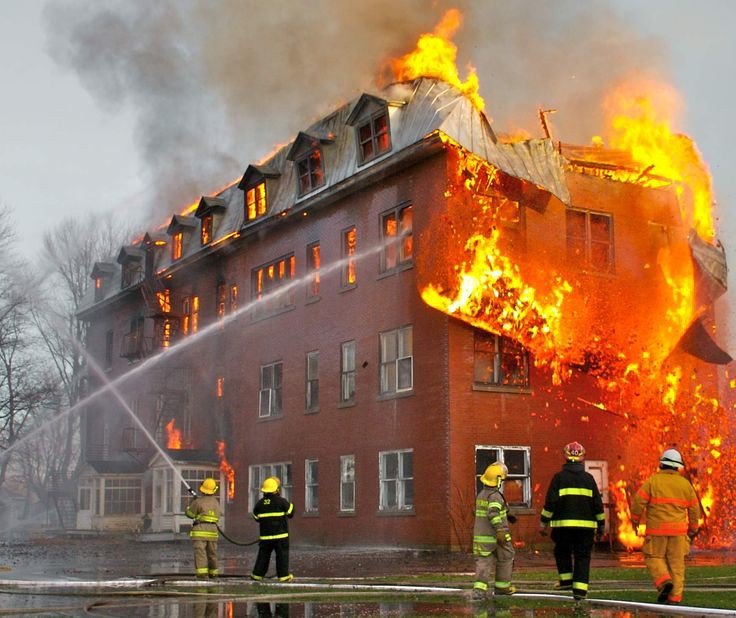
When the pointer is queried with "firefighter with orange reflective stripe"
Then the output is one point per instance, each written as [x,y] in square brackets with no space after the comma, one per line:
[669,506]
[492,547]
[205,511]
[574,509]
[273,512]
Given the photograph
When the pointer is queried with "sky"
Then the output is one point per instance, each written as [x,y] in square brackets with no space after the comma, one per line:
[142,107]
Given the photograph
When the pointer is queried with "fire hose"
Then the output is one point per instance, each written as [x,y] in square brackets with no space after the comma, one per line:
[220,530]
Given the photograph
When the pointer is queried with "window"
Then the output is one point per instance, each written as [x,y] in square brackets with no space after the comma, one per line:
[347,483]
[194,478]
[312,379]
[220,387]
[195,314]
[347,372]
[233,298]
[349,245]
[499,361]
[268,280]
[131,273]
[186,310]
[374,137]
[313,264]
[270,394]
[397,364]
[108,349]
[220,300]
[164,300]
[397,237]
[167,332]
[206,230]
[311,485]
[177,245]
[99,288]
[255,201]
[517,486]
[257,474]
[310,172]
[122,496]
[590,240]
[397,480]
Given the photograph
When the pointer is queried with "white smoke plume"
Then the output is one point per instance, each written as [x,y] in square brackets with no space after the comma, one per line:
[215,84]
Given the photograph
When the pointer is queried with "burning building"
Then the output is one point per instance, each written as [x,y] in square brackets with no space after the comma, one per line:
[389,303]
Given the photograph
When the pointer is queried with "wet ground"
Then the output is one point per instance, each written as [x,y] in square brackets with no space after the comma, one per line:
[169,591]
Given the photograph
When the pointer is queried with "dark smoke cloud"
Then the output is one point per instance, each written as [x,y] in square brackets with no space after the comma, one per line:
[214,85]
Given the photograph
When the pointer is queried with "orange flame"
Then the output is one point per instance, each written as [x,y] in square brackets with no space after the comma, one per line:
[435,56]
[626,533]
[173,435]
[226,469]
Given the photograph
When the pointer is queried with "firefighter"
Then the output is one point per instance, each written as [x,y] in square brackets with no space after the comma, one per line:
[273,512]
[492,547]
[574,509]
[205,511]
[671,508]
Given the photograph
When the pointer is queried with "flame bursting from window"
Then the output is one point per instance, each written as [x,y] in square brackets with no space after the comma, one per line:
[173,435]
[435,56]
[226,469]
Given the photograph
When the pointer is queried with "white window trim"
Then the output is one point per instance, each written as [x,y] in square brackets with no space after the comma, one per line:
[401,504]
[526,480]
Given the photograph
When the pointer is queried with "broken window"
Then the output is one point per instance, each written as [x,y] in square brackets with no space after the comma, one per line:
[310,172]
[347,372]
[206,230]
[590,240]
[312,379]
[269,400]
[349,247]
[397,364]
[374,137]
[177,245]
[311,485]
[396,234]
[347,483]
[255,201]
[313,265]
[517,488]
[259,473]
[396,474]
[499,361]
[267,280]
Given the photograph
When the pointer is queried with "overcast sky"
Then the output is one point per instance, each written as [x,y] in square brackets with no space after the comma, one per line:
[145,109]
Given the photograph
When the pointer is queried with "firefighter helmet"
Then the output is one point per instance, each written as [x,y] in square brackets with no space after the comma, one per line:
[208,487]
[494,474]
[270,485]
[574,451]
[671,458]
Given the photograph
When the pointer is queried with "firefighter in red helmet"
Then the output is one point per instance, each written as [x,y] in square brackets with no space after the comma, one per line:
[492,547]
[574,509]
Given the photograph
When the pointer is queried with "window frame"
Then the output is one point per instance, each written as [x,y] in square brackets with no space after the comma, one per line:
[310,171]
[347,479]
[496,364]
[257,473]
[402,503]
[373,136]
[348,250]
[348,354]
[123,496]
[398,252]
[586,244]
[267,281]
[177,245]
[206,226]
[274,385]
[256,201]
[311,386]
[524,479]
[311,486]
[391,370]
[314,261]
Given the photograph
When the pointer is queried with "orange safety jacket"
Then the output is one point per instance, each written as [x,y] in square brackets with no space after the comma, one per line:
[668,503]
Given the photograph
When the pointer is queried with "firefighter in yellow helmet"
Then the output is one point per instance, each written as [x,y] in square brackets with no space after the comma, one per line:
[273,512]
[205,511]
[492,547]
[672,509]
[574,509]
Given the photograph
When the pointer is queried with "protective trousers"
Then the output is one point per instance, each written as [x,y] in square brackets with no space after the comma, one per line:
[265,547]
[573,547]
[497,567]
[205,558]
[665,560]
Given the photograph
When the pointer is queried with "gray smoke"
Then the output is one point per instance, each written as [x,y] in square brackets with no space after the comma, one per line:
[215,84]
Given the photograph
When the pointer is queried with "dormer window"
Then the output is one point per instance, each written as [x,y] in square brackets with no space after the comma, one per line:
[310,172]
[131,264]
[255,201]
[177,245]
[101,274]
[372,128]
[206,230]
[373,137]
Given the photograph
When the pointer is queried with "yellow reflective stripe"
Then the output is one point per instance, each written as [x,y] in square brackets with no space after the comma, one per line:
[580,585]
[480,513]
[546,513]
[576,491]
[201,571]
[291,509]
[207,519]
[496,505]
[496,520]
[203,534]
[484,538]
[480,586]
[502,585]
[565,576]
[481,503]
[573,523]
[601,517]
[274,536]
[281,514]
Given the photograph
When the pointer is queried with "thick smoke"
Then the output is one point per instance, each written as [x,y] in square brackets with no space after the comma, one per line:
[214,85]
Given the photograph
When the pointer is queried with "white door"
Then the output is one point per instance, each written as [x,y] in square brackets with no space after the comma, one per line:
[599,470]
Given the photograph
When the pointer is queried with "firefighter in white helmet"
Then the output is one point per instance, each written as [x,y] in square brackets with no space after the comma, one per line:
[492,547]
[205,511]
[573,507]
[668,502]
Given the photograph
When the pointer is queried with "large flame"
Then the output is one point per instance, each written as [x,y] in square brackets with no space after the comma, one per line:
[226,469]
[173,435]
[435,56]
